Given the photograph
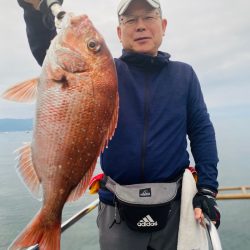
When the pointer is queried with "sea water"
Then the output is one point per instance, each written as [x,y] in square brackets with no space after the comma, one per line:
[17,206]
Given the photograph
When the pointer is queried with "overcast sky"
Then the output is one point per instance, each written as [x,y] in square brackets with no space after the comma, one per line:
[213,36]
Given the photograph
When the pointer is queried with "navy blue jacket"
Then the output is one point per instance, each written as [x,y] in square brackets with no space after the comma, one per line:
[161,103]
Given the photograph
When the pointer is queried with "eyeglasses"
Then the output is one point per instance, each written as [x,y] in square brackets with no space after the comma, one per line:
[148,18]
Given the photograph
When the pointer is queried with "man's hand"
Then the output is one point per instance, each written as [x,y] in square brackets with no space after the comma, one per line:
[204,202]
[41,5]
[32,4]
[41,9]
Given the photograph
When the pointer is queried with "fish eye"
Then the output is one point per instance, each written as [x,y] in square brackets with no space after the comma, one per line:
[93,45]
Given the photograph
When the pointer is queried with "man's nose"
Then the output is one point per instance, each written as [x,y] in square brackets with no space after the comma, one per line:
[140,25]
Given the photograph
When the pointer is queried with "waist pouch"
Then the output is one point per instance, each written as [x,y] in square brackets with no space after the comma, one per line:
[144,207]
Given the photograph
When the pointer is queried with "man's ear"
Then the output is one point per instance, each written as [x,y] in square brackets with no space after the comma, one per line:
[119,33]
[164,25]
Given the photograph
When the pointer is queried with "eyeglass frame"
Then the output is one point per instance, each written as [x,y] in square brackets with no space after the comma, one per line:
[156,11]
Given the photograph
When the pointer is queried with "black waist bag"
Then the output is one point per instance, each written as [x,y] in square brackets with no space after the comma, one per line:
[144,207]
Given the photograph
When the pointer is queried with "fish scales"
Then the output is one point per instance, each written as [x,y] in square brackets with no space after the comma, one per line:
[76,114]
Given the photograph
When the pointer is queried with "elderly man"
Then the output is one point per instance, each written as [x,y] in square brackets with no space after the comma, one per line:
[160,104]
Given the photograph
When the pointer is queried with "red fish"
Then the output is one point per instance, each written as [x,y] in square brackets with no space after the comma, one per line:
[76,114]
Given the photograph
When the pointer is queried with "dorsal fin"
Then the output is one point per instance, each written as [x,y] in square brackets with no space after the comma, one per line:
[112,126]
[27,172]
[22,92]
[82,186]
[79,190]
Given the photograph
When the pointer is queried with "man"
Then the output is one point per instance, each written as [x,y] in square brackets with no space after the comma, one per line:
[160,104]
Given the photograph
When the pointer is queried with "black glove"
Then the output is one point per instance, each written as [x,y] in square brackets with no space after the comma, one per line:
[205,200]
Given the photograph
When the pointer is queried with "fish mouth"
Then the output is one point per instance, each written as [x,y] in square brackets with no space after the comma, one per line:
[144,38]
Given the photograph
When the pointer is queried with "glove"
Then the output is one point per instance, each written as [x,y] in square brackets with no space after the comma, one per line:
[205,200]
[46,4]
[41,5]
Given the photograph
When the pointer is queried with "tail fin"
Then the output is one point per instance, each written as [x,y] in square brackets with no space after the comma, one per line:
[46,235]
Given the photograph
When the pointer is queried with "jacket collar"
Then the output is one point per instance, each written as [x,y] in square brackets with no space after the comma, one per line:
[145,61]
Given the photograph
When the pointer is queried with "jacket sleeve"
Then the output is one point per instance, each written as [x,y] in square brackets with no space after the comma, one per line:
[40,31]
[202,137]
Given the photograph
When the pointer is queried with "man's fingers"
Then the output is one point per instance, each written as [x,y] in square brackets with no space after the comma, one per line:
[198,213]
[34,3]
[199,216]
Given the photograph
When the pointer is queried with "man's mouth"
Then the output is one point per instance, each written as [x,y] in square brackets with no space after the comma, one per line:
[141,39]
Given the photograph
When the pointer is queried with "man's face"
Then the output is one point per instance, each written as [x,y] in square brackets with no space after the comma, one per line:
[141,28]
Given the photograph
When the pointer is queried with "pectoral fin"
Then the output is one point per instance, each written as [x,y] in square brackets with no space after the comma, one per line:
[22,92]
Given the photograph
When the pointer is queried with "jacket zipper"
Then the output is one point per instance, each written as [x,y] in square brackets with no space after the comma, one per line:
[145,130]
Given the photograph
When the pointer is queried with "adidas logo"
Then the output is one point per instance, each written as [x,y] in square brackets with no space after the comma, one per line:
[145,192]
[147,222]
